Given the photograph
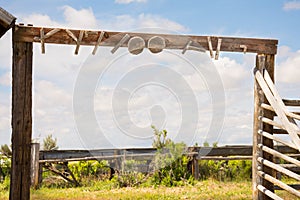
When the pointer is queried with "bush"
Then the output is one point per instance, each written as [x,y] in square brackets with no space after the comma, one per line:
[90,169]
[5,167]
[170,163]
[225,170]
[128,179]
[5,184]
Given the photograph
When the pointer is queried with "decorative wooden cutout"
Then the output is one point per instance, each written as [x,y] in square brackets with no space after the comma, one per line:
[98,42]
[121,42]
[210,48]
[44,36]
[242,46]
[218,48]
[156,44]
[136,45]
[193,46]
[78,41]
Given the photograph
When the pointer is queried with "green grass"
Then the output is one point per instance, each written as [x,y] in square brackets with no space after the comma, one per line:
[209,189]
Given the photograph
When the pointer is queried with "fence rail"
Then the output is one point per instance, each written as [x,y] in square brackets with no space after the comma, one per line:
[211,153]
[287,133]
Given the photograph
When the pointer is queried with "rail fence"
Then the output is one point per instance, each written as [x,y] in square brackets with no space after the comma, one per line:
[277,125]
[116,157]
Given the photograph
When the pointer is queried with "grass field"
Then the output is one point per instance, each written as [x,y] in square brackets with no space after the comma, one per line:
[209,189]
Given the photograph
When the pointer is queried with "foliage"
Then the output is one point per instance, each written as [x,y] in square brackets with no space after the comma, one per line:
[170,163]
[128,179]
[160,138]
[6,150]
[86,169]
[5,184]
[170,167]
[237,170]
[5,164]
[50,143]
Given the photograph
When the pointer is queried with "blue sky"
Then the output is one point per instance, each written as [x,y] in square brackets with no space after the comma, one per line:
[57,74]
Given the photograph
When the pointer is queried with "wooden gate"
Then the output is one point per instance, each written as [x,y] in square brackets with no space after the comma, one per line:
[273,123]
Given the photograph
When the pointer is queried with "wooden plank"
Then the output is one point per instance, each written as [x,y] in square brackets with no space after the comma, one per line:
[292,167]
[276,103]
[7,21]
[294,115]
[279,168]
[294,186]
[279,131]
[291,102]
[279,183]
[270,136]
[269,67]
[268,192]
[35,148]
[112,157]
[273,89]
[230,44]
[226,153]
[257,125]
[21,120]
[225,158]
[271,122]
[279,155]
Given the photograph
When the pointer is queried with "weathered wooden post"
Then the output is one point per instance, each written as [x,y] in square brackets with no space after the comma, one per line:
[21,119]
[35,172]
[269,66]
[258,99]
[117,159]
[195,166]
[262,62]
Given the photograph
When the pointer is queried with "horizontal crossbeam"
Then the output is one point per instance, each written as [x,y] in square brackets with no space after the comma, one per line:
[229,44]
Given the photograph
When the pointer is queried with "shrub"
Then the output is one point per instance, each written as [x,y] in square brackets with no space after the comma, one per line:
[170,163]
[90,169]
[5,167]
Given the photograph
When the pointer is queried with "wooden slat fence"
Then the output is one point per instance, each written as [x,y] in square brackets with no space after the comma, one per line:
[286,132]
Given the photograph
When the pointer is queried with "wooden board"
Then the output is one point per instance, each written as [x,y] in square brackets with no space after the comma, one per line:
[230,44]
[21,120]
[109,153]
[7,21]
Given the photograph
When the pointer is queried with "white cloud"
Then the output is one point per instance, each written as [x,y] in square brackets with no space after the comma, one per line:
[83,19]
[55,72]
[291,5]
[232,73]
[6,51]
[39,20]
[141,23]
[288,71]
[129,1]
[5,79]
[284,52]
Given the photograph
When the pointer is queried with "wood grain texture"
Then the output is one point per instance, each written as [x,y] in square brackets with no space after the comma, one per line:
[230,44]
[7,21]
[257,125]
[291,102]
[21,120]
